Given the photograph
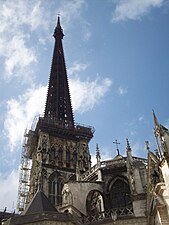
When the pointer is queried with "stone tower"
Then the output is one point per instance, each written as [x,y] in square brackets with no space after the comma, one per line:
[58,147]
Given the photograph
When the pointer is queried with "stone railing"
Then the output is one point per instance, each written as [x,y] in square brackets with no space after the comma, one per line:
[108,214]
[108,163]
[144,161]
[89,173]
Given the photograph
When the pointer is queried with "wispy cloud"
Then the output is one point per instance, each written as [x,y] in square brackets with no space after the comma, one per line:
[77,67]
[20,113]
[122,90]
[17,56]
[133,9]
[71,10]
[105,153]
[18,20]
[132,127]
[86,94]
[138,149]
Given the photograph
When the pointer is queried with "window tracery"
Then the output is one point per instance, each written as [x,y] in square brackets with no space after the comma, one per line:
[120,194]
[55,188]
[94,203]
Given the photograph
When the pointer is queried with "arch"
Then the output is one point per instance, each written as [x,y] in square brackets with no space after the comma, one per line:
[94,202]
[56,183]
[119,193]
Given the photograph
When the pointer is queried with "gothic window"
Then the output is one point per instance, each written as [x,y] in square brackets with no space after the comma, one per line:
[74,157]
[120,194]
[43,179]
[52,153]
[60,154]
[67,157]
[94,203]
[55,188]
[44,143]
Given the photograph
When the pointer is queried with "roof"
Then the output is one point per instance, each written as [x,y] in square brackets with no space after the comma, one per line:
[40,203]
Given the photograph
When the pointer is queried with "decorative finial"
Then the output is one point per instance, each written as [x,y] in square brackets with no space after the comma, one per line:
[58,33]
[128,145]
[147,145]
[127,140]
[155,119]
[117,143]
[97,154]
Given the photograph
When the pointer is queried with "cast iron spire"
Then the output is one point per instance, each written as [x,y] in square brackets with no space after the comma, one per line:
[58,103]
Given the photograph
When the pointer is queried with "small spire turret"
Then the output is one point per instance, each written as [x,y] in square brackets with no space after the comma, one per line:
[98,154]
[128,145]
[129,152]
[155,120]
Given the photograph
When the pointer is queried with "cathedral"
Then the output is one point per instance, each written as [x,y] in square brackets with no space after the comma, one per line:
[58,185]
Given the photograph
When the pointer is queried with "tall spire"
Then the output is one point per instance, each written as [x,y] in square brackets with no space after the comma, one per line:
[155,120]
[58,103]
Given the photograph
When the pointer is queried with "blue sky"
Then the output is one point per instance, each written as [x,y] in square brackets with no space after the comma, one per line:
[116,54]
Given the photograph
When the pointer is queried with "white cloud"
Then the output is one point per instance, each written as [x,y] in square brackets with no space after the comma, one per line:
[17,55]
[122,90]
[141,118]
[18,20]
[71,10]
[133,9]
[77,67]
[20,113]
[8,190]
[105,153]
[85,94]
[138,148]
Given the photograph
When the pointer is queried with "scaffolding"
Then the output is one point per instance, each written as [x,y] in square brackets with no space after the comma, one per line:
[24,176]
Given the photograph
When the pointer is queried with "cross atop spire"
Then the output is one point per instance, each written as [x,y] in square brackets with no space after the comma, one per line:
[117,143]
[58,103]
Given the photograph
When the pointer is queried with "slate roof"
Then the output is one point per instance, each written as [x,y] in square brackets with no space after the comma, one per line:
[39,204]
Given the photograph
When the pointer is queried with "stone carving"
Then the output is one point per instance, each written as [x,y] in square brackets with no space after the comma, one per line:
[67,197]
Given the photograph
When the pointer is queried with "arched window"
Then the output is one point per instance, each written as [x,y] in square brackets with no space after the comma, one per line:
[52,153]
[60,154]
[55,188]
[120,194]
[67,157]
[94,202]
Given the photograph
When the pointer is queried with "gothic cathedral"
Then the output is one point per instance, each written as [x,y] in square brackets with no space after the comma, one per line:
[59,186]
